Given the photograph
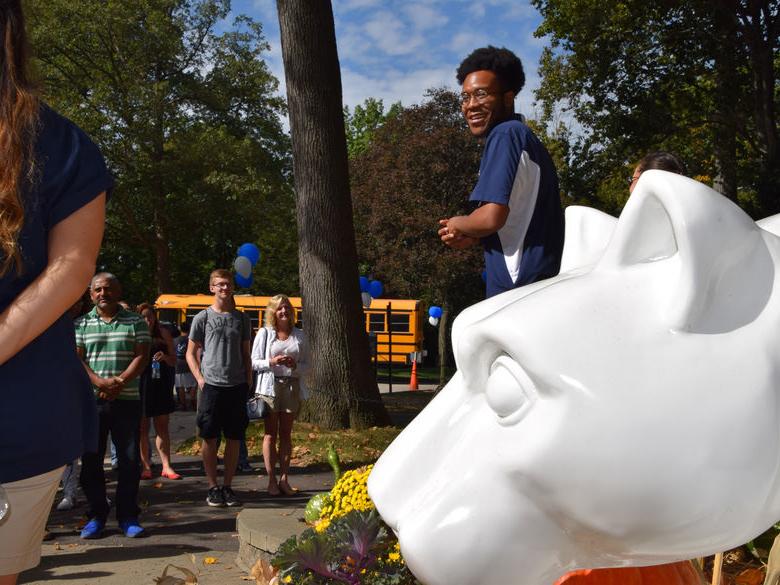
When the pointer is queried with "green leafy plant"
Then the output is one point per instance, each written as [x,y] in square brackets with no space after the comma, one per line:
[357,549]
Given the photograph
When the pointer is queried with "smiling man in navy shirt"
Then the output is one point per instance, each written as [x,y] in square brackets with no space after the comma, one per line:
[518,218]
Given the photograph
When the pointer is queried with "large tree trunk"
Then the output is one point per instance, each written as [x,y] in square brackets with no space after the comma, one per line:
[161,244]
[761,30]
[726,92]
[344,391]
[444,323]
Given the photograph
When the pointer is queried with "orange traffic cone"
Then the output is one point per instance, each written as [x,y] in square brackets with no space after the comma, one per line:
[413,379]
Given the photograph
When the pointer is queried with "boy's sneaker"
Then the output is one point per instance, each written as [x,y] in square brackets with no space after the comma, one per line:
[230,498]
[215,498]
[93,529]
[131,528]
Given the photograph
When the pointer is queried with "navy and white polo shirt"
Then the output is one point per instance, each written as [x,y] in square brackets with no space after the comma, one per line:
[516,170]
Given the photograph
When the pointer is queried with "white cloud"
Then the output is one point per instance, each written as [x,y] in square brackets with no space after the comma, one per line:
[465,42]
[390,34]
[408,87]
[346,5]
[423,17]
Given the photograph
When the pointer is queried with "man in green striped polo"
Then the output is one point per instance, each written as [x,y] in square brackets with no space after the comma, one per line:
[113,343]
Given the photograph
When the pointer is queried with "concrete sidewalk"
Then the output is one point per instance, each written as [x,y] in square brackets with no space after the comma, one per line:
[182,529]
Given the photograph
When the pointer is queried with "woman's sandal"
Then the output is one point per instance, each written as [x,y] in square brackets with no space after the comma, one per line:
[287,489]
[274,493]
[146,474]
[170,475]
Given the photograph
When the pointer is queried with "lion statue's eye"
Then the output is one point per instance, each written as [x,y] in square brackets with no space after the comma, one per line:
[509,391]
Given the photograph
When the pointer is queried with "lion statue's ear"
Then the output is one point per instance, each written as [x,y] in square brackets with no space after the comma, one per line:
[770,224]
[716,273]
[588,232]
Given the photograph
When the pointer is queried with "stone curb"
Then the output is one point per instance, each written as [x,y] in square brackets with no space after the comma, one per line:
[262,530]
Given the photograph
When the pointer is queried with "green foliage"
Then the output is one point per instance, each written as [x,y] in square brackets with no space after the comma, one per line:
[184,109]
[357,548]
[684,76]
[361,124]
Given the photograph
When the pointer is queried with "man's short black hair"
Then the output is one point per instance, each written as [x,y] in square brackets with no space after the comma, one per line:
[503,62]
[662,161]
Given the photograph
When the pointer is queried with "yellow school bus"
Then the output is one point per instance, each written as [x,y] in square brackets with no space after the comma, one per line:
[405,319]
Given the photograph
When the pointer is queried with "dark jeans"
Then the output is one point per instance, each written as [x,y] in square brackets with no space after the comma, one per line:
[122,418]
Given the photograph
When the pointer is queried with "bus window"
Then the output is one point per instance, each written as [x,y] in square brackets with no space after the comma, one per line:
[191,312]
[169,315]
[399,322]
[254,318]
[376,322]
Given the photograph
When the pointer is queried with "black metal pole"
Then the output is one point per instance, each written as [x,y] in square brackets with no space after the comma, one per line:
[389,349]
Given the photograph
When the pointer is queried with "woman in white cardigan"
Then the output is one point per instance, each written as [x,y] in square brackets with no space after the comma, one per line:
[280,357]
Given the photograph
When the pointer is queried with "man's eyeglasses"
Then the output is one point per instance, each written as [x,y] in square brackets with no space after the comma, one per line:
[480,95]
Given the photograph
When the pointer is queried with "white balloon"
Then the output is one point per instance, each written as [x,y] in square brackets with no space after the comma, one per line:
[433,321]
[243,266]
[366,298]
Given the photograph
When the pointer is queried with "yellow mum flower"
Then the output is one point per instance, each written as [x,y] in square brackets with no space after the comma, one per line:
[349,493]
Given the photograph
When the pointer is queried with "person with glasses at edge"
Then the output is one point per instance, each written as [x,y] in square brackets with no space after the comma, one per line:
[518,218]
[658,161]
[53,186]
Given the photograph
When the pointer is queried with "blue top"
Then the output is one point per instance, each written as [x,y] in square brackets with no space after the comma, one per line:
[48,416]
[516,170]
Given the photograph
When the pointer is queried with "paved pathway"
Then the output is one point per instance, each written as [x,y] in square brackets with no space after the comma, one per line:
[180,525]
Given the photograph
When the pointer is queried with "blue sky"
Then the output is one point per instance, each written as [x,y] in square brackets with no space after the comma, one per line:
[396,49]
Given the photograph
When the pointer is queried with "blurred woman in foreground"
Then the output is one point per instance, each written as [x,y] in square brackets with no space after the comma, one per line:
[53,184]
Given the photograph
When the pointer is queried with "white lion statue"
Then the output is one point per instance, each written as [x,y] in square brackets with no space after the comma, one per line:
[623,413]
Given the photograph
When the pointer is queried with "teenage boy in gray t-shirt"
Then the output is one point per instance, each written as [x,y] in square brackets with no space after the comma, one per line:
[223,373]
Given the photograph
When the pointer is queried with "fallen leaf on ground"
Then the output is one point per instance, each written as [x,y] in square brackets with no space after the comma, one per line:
[210,560]
[750,577]
[190,578]
[157,485]
[57,546]
[313,436]
[264,573]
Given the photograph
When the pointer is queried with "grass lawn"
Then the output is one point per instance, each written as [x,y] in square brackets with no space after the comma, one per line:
[355,448]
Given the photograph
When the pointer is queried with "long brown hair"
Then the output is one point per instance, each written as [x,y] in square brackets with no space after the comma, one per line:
[19,112]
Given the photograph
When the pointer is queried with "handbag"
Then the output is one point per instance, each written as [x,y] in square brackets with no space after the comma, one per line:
[256,407]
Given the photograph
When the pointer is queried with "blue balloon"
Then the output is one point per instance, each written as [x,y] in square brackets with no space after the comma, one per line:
[243,282]
[249,251]
[435,312]
[363,284]
[375,289]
